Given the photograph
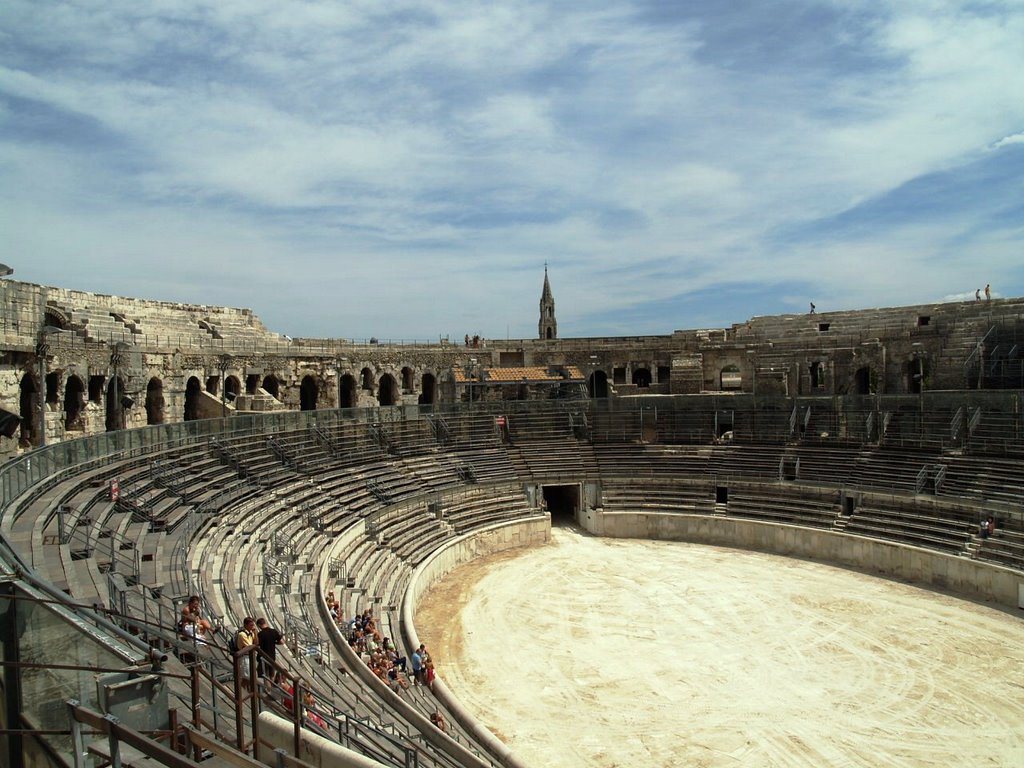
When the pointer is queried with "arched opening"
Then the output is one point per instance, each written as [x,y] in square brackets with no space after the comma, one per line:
[96,389]
[597,384]
[74,405]
[428,395]
[252,383]
[192,392]
[388,391]
[29,410]
[729,378]
[642,377]
[53,388]
[408,382]
[366,375]
[817,375]
[116,401]
[917,375]
[309,392]
[155,401]
[232,388]
[213,384]
[862,381]
[550,334]
[347,395]
[272,386]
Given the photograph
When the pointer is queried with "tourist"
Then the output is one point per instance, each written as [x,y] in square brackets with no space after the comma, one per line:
[245,638]
[988,292]
[417,666]
[192,622]
[438,719]
[268,639]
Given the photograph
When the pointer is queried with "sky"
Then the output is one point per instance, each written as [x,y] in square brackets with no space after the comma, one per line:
[405,170]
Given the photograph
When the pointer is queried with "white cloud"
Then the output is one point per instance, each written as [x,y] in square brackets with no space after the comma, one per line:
[451,141]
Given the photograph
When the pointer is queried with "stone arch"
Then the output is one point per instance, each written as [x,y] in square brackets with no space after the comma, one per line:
[597,384]
[366,379]
[428,389]
[213,384]
[272,385]
[550,333]
[193,389]
[387,392]
[642,377]
[309,393]
[408,380]
[74,405]
[116,400]
[729,378]
[155,401]
[347,395]
[56,318]
[29,410]
[252,383]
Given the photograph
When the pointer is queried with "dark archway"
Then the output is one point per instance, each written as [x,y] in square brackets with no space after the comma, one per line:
[642,378]
[155,401]
[116,399]
[252,383]
[347,395]
[367,379]
[232,388]
[428,395]
[597,384]
[862,381]
[192,392]
[29,410]
[96,389]
[309,393]
[74,405]
[272,386]
[408,380]
[550,333]
[213,384]
[817,375]
[387,393]
[53,387]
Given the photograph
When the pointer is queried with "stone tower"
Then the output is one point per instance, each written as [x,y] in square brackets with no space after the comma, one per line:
[548,326]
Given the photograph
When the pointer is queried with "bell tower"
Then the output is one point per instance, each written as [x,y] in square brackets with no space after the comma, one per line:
[548,326]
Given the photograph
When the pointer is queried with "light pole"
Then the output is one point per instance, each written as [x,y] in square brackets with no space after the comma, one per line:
[223,363]
[118,355]
[42,350]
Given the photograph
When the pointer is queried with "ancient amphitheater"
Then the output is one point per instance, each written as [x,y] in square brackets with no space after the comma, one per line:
[790,485]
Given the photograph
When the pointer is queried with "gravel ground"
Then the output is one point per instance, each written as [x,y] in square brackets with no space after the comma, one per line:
[610,652]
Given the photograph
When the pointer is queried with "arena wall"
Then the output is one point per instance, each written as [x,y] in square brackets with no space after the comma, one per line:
[970,578]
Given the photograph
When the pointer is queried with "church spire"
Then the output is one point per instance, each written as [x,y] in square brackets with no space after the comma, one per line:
[548,326]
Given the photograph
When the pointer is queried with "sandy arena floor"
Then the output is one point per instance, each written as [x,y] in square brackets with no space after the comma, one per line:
[604,652]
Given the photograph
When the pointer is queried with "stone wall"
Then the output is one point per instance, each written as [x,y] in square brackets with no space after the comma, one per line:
[971,578]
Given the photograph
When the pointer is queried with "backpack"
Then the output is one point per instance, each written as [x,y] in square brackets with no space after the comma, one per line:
[233,642]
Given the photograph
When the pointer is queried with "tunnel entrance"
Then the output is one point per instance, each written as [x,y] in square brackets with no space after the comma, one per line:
[563,502]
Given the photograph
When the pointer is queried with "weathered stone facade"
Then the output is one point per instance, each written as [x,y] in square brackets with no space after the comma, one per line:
[76,363]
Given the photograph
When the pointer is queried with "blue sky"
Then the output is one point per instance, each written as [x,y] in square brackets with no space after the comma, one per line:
[405,170]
